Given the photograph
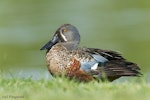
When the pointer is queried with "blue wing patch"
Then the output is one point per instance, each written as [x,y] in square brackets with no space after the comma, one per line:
[99,58]
[93,64]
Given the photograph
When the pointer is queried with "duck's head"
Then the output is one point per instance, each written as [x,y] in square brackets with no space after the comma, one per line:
[65,34]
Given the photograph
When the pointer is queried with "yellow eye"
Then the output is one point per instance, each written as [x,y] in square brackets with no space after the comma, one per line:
[64,30]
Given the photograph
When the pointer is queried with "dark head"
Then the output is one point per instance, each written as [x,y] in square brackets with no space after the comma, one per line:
[64,34]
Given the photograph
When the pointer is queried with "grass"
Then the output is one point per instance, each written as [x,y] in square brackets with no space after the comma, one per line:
[63,89]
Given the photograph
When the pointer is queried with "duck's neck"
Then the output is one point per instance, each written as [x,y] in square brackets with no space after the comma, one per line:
[70,45]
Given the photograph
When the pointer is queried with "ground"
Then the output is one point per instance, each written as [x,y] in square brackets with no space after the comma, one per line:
[63,89]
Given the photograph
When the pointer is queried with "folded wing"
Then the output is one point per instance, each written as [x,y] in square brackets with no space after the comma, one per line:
[109,64]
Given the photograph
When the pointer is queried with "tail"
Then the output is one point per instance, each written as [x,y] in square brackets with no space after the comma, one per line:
[116,69]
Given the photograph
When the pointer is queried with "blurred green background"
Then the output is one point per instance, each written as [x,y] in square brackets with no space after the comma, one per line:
[26,25]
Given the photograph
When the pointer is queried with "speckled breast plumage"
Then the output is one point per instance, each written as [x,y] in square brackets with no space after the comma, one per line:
[60,61]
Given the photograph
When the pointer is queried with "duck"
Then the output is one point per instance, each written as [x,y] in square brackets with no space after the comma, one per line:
[64,57]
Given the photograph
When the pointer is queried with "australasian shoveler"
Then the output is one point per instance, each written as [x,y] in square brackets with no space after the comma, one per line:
[63,57]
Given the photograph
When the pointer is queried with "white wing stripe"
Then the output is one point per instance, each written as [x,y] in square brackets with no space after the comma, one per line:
[94,67]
